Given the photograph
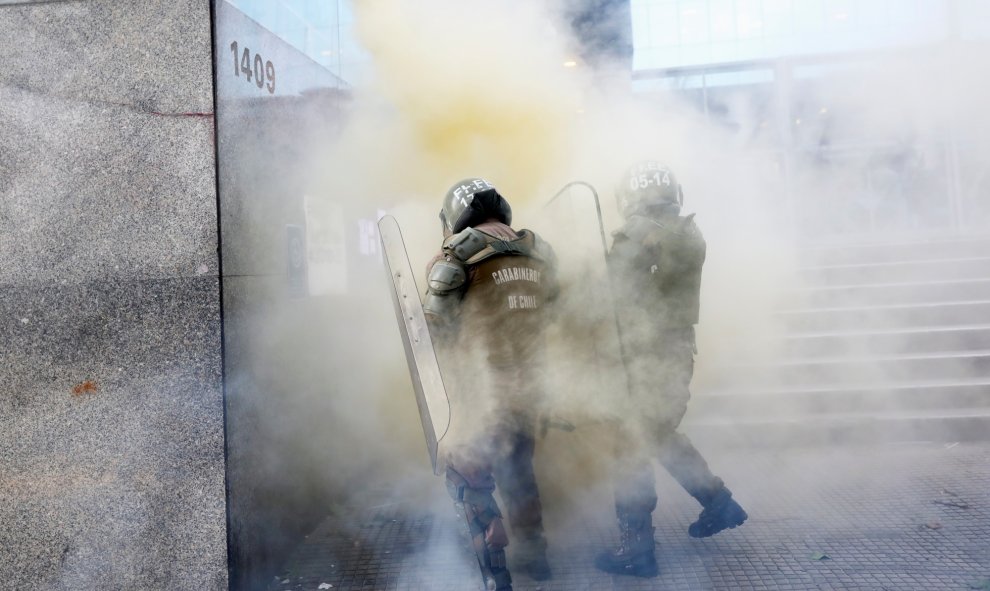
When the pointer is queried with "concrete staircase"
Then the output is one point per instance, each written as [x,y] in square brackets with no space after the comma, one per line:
[883,342]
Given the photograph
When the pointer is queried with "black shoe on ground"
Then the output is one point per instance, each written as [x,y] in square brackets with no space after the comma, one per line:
[723,512]
[642,564]
[636,554]
[498,580]
[536,568]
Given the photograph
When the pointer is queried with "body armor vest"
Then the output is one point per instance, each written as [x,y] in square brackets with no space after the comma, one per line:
[658,264]
[502,309]
[506,278]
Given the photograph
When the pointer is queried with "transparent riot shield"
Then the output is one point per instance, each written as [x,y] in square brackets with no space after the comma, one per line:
[585,338]
[431,395]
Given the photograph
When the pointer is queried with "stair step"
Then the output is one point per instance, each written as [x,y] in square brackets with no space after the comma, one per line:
[951,269]
[886,252]
[843,430]
[893,385]
[867,342]
[848,416]
[926,292]
[925,339]
[930,396]
[874,370]
[884,317]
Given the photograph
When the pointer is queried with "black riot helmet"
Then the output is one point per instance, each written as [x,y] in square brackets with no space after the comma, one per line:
[471,202]
[649,187]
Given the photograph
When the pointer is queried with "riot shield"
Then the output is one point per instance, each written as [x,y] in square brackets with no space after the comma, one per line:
[431,395]
[568,204]
[566,192]
[586,337]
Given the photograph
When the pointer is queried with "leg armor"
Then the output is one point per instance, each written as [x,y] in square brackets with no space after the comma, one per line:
[475,504]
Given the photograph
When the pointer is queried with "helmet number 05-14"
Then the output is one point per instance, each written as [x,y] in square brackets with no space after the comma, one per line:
[643,181]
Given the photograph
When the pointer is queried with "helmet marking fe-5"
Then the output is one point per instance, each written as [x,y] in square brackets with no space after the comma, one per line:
[471,202]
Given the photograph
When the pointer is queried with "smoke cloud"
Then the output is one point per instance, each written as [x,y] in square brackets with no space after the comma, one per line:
[487,89]
[484,90]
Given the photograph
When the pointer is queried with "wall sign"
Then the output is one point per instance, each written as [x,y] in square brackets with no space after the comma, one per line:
[263,72]
[252,62]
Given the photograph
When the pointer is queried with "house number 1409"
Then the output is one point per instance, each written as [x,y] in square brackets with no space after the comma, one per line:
[261,71]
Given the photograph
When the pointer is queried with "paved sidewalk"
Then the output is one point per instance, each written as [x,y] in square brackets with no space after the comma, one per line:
[892,517]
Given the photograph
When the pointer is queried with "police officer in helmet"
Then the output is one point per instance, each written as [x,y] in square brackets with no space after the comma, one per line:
[489,289]
[655,262]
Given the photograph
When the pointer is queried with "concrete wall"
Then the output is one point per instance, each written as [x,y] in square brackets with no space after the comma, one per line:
[111,416]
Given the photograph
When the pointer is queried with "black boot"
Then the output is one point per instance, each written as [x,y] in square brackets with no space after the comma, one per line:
[537,567]
[532,558]
[636,554]
[497,577]
[499,580]
[720,512]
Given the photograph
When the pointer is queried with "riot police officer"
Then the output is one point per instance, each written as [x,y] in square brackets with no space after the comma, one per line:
[489,289]
[655,264]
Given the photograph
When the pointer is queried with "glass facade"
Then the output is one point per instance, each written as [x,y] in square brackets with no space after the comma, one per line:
[319,29]
[681,33]
[813,82]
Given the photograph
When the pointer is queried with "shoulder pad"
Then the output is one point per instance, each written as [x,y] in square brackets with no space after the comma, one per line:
[532,245]
[538,247]
[465,244]
[618,237]
[636,228]
[542,248]
[688,226]
[446,276]
[473,246]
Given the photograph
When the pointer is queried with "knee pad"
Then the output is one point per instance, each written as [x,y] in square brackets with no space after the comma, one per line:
[480,509]
[496,537]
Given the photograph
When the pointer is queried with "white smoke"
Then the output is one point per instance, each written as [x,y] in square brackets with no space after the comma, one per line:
[481,89]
